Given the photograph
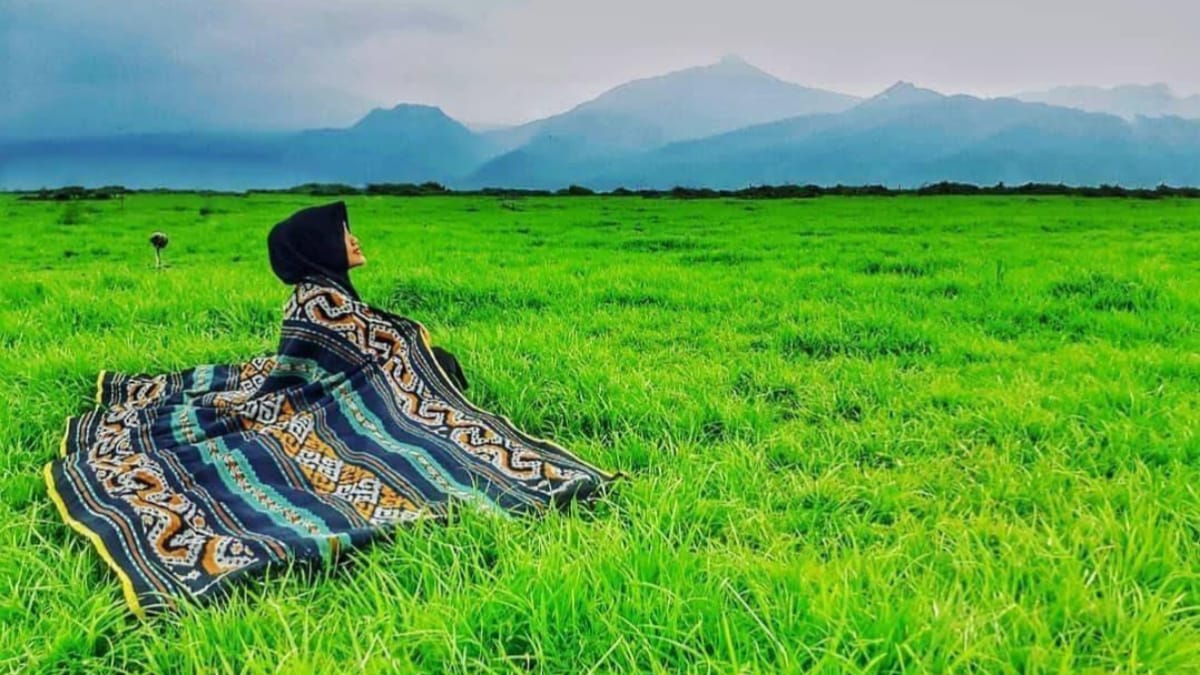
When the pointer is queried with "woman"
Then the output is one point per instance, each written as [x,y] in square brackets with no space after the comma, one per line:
[187,481]
[308,244]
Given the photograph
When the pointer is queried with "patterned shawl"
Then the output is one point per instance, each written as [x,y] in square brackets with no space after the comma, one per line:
[187,481]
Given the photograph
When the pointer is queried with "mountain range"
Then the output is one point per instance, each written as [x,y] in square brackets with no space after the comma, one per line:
[723,125]
[1128,101]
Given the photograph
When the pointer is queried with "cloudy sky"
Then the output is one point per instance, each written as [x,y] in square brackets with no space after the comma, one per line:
[96,66]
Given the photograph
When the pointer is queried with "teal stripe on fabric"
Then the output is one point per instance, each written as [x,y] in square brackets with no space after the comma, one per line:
[203,378]
[322,539]
[425,465]
[421,460]
[230,483]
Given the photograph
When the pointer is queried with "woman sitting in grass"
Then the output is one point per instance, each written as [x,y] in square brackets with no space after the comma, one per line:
[309,246]
[186,481]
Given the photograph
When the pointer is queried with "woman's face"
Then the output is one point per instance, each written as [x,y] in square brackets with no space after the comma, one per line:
[353,254]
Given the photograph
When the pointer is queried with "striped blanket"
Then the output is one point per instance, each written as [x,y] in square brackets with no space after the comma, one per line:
[188,481]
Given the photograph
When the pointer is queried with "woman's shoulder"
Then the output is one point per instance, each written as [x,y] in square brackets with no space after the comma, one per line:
[330,294]
[317,292]
[318,285]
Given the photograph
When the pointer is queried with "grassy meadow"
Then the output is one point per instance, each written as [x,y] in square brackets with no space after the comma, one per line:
[953,434]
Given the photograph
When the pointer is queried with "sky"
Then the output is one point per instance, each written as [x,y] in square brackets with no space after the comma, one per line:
[70,67]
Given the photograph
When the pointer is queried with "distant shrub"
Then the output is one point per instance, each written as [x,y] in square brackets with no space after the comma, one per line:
[512,193]
[73,192]
[680,192]
[406,189]
[576,190]
[325,189]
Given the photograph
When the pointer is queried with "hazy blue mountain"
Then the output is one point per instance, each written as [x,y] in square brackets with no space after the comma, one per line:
[407,143]
[631,137]
[1128,101]
[908,136]
[689,103]
[581,139]
[650,112]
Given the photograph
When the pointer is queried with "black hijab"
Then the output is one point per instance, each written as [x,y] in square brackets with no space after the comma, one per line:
[311,243]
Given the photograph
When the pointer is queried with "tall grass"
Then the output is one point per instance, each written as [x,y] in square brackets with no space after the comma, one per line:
[866,435]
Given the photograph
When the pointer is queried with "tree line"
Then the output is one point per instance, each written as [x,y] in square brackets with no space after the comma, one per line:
[73,192]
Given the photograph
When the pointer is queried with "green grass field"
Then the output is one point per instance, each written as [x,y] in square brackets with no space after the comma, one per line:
[865,434]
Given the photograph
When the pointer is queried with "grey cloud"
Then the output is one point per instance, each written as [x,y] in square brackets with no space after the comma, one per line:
[295,63]
[100,67]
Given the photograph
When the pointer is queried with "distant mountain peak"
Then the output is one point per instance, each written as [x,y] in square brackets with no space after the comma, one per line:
[903,93]
[1125,100]
[404,109]
[734,65]
[401,115]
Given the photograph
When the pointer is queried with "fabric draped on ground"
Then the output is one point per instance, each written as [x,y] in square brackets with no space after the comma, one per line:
[187,481]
